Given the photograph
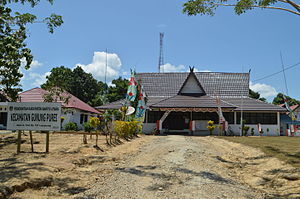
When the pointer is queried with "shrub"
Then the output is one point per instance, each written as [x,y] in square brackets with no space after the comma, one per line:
[71,126]
[88,127]
[245,130]
[252,131]
[94,121]
[126,129]
[211,126]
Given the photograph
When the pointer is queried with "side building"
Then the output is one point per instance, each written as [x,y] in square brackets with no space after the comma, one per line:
[176,99]
[75,110]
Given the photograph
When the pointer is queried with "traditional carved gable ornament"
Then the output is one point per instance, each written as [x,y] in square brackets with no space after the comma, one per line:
[191,85]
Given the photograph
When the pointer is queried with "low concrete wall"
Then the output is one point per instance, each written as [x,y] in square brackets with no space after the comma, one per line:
[274,130]
[148,128]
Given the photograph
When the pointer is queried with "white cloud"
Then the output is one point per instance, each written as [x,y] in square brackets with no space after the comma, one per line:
[98,66]
[171,68]
[265,90]
[197,70]
[38,79]
[34,64]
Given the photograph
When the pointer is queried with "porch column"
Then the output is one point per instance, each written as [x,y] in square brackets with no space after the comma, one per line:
[278,122]
[234,116]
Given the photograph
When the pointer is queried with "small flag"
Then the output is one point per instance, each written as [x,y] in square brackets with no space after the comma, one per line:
[291,112]
[259,127]
[131,91]
[141,107]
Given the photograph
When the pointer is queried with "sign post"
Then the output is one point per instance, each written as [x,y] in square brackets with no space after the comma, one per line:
[33,116]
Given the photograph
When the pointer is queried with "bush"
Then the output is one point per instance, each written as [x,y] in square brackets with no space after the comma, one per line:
[125,129]
[71,126]
[94,121]
[88,127]
[210,126]
[245,130]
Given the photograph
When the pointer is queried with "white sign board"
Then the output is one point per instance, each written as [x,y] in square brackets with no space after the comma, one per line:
[33,116]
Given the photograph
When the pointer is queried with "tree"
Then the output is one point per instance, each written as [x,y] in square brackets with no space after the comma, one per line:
[59,77]
[279,100]
[84,85]
[208,7]
[119,90]
[77,82]
[256,95]
[13,47]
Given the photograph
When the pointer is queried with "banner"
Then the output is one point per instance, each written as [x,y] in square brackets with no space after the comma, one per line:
[131,91]
[34,116]
[141,107]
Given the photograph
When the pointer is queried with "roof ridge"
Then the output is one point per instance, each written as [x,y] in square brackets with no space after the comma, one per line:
[29,90]
[164,99]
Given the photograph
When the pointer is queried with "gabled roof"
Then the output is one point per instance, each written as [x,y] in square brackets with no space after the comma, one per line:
[191,85]
[37,95]
[250,104]
[183,101]
[118,104]
[222,84]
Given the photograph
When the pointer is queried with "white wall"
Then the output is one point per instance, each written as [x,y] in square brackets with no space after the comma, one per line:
[148,128]
[73,115]
[274,130]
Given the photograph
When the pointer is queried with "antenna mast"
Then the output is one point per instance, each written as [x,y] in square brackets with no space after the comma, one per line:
[161,54]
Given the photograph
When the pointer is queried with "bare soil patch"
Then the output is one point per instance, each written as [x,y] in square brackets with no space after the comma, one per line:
[69,169]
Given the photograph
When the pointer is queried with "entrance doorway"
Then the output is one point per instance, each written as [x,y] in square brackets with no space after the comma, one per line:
[177,121]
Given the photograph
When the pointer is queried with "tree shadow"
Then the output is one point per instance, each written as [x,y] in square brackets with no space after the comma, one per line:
[203,174]
[13,168]
[9,140]
[206,175]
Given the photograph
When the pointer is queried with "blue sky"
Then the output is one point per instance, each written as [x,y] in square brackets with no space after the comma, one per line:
[130,31]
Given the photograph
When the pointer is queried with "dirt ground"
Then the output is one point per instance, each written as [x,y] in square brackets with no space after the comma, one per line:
[146,167]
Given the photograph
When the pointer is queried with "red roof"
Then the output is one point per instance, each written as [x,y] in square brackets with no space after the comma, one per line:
[36,95]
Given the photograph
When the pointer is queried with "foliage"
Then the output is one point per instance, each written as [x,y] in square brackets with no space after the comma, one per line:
[261,132]
[59,77]
[83,85]
[95,122]
[88,127]
[252,131]
[245,130]
[210,126]
[13,50]
[127,129]
[208,7]
[279,100]
[77,82]
[70,126]
[118,91]
[256,95]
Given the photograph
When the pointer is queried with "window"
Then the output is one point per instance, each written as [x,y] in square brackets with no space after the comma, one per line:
[81,118]
[85,118]
[255,118]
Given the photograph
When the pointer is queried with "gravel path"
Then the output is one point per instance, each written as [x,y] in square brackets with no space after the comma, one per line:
[171,167]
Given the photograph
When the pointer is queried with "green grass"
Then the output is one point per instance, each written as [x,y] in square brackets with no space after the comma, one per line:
[284,148]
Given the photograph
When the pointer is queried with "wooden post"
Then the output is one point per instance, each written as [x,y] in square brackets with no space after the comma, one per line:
[31,140]
[47,142]
[19,142]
